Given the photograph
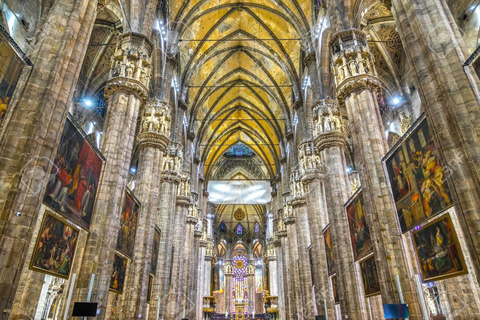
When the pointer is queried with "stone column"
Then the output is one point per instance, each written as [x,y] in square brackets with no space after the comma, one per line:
[280,280]
[357,82]
[282,236]
[126,91]
[190,256]
[180,246]
[294,286]
[170,180]
[331,145]
[152,141]
[32,129]
[302,235]
[449,92]
[317,220]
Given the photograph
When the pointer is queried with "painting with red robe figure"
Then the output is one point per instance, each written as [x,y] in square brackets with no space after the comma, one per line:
[55,247]
[437,249]
[329,251]
[128,225]
[357,223]
[117,278]
[73,182]
[371,283]
[417,178]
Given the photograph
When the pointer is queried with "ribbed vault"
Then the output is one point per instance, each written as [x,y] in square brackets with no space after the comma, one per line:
[240,69]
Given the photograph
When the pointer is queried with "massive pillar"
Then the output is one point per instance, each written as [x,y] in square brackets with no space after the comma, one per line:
[330,141]
[450,97]
[180,246]
[170,180]
[301,235]
[32,129]
[282,239]
[126,91]
[311,169]
[152,141]
[356,82]
[295,289]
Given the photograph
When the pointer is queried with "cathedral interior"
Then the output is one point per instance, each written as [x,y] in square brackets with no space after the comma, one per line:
[240,159]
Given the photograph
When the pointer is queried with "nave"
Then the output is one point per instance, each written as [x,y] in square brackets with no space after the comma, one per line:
[239,159]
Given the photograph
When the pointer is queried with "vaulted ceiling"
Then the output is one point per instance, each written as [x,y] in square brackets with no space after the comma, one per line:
[240,65]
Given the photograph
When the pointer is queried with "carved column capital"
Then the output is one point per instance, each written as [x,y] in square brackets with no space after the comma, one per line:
[331,123]
[131,65]
[155,125]
[352,63]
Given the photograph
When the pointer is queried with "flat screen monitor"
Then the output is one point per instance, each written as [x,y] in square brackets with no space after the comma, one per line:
[85,309]
[395,311]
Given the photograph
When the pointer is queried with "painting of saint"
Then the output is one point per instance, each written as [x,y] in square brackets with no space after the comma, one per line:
[417,178]
[438,251]
[10,68]
[155,247]
[55,247]
[74,178]
[329,251]
[118,275]
[128,226]
[371,284]
[336,297]
[359,231]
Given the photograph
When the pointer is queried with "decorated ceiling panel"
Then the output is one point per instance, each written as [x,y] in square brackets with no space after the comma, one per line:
[240,68]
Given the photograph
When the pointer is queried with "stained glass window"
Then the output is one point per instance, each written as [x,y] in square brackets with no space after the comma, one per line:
[223,227]
[257,228]
[239,229]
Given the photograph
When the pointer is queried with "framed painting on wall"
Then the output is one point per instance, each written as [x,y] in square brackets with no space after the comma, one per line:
[55,247]
[11,67]
[437,250]
[417,178]
[329,251]
[118,275]
[73,182]
[371,283]
[128,225]
[357,223]
[150,285]
[336,297]
[155,247]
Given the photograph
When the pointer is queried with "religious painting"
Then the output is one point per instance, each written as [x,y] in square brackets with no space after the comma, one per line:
[154,257]
[73,182]
[216,278]
[149,288]
[336,297]
[371,283]
[329,251]
[359,231]
[417,178]
[438,251]
[118,275]
[55,247]
[10,68]
[258,279]
[128,225]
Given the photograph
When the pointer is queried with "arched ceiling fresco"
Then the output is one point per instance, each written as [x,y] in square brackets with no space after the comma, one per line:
[240,68]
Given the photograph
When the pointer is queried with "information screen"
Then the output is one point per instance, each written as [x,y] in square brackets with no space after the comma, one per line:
[239,191]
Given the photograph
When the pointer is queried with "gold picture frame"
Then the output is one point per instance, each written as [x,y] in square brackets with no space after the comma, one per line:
[55,247]
[438,251]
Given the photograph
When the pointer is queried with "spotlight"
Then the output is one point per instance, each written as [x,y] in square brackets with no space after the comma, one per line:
[88,102]
[133,170]
[396,100]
